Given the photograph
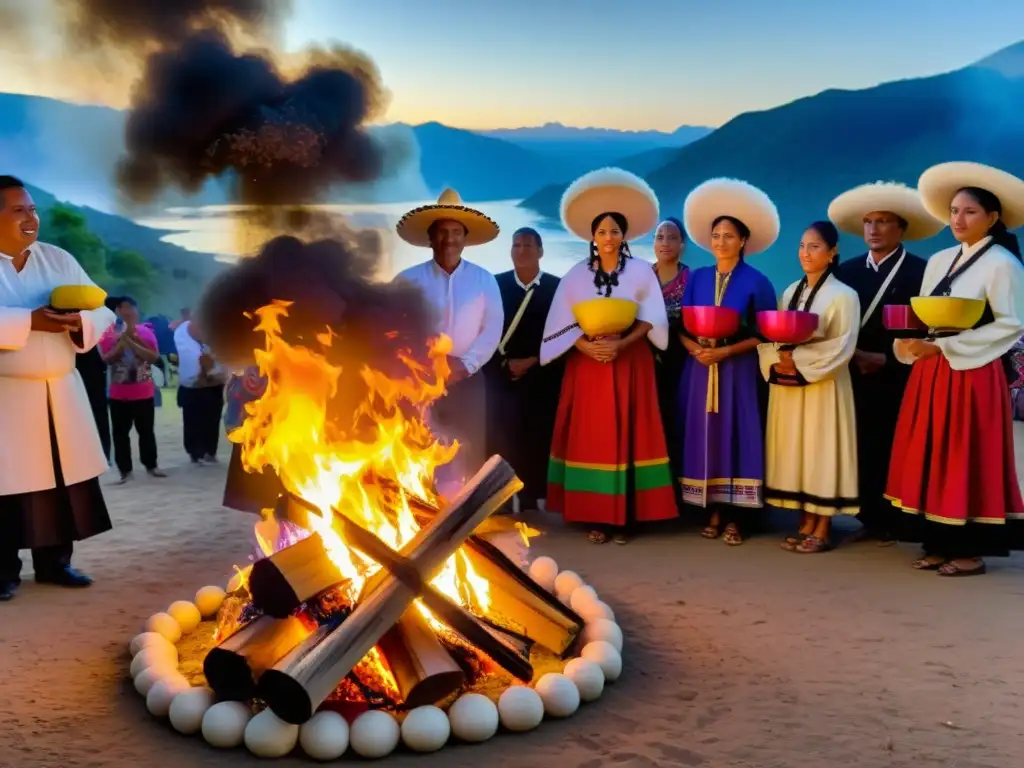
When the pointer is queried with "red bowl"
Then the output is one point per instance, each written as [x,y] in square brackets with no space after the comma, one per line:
[901,317]
[711,322]
[787,326]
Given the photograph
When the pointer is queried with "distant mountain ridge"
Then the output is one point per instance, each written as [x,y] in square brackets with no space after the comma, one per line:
[806,152]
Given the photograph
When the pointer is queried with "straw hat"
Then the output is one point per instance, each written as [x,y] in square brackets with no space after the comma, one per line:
[731,197]
[609,190]
[413,226]
[940,183]
[848,210]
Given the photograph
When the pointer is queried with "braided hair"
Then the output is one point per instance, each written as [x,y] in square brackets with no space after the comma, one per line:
[605,281]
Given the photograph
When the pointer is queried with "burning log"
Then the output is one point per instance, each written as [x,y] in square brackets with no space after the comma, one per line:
[233,667]
[280,583]
[522,605]
[423,670]
[298,683]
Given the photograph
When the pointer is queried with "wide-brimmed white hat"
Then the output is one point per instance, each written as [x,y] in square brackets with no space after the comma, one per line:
[609,190]
[940,183]
[735,198]
[413,226]
[848,210]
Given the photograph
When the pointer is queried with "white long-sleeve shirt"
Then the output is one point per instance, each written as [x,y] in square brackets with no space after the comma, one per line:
[468,305]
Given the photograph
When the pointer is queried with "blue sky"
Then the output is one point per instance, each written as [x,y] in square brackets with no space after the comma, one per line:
[629,64]
[646,63]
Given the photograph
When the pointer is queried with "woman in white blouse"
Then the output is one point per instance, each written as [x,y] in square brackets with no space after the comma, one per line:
[609,464]
[953,464]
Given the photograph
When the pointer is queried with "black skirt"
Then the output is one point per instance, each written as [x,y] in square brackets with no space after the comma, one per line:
[250,491]
[58,515]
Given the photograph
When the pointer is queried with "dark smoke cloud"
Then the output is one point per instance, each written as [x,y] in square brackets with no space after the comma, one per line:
[202,111]
[332,282]
[162,24]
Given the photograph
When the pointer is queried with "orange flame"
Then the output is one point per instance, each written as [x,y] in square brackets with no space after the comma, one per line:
[326,464]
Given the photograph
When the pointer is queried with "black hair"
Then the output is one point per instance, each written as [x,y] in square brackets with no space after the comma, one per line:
[828,232]
[605,281]
[9,182]
[998,231]
[531,232]
[742,229]
[433,227]
[677,224]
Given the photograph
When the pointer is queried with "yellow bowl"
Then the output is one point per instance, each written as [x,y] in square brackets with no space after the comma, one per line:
[948,312]
[605,316]
[77,297]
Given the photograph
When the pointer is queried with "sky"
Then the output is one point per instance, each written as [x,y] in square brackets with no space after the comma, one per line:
[633,64]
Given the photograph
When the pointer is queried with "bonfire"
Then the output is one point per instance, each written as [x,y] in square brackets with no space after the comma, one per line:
[371,599]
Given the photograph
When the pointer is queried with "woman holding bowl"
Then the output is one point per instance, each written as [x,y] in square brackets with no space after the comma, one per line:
[720,411]
[953,466]
[811,441]
[609,464]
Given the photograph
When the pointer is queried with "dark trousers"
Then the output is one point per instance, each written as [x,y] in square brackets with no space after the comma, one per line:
[45,560]
[94,376]
[125,414]
[201,409]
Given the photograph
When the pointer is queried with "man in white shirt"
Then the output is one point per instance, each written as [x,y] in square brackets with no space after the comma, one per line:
[468,304]
[50,452]
[200,394]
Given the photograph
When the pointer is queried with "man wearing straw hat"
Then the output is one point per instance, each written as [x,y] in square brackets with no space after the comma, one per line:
[469,309]
[885,215]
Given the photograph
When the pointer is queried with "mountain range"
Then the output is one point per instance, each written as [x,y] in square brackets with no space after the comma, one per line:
[808,151]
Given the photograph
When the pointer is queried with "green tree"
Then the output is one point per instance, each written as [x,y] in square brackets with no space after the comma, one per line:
[67,228]
[131,273]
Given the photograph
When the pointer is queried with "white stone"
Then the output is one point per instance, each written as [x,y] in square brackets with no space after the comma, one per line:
[426,729]
[224,724]
[148,677]
[603,629]
[588,678]
[161,695]
[566,583]
[544,570]
[605,655]
[581,597]
[186,614]
[521,708]
[559,694]
[146,640]
[595,610]
[374,734]
[208,600]
[474,717]
[324,736]
[154,656]
[188,709]
[165,625]
[267,735]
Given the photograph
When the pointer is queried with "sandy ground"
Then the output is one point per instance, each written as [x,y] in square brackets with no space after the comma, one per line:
[734,657]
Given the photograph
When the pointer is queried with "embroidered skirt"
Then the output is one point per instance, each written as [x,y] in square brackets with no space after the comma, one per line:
[953,464]
[58,515]
[609,462]
[723,452]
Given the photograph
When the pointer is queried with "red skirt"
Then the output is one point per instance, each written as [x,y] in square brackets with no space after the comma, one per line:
[609,462]
[953,463]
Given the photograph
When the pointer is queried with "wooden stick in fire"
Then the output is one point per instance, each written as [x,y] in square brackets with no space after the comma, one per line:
[300,682]
[526,608]
[422,668]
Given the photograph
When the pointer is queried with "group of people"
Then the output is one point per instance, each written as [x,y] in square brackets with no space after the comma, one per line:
[909,431]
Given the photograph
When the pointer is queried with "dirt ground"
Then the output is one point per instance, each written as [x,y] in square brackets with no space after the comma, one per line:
[743,656]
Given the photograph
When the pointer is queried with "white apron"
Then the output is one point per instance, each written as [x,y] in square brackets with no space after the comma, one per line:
[39,368]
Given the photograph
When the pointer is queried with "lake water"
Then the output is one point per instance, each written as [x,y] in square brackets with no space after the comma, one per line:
[215,229]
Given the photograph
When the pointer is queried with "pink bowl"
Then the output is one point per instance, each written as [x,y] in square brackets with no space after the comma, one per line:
[788,326]
[711,322]
[901,317]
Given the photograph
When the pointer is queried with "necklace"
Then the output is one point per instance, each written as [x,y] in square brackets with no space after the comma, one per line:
[605,281]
